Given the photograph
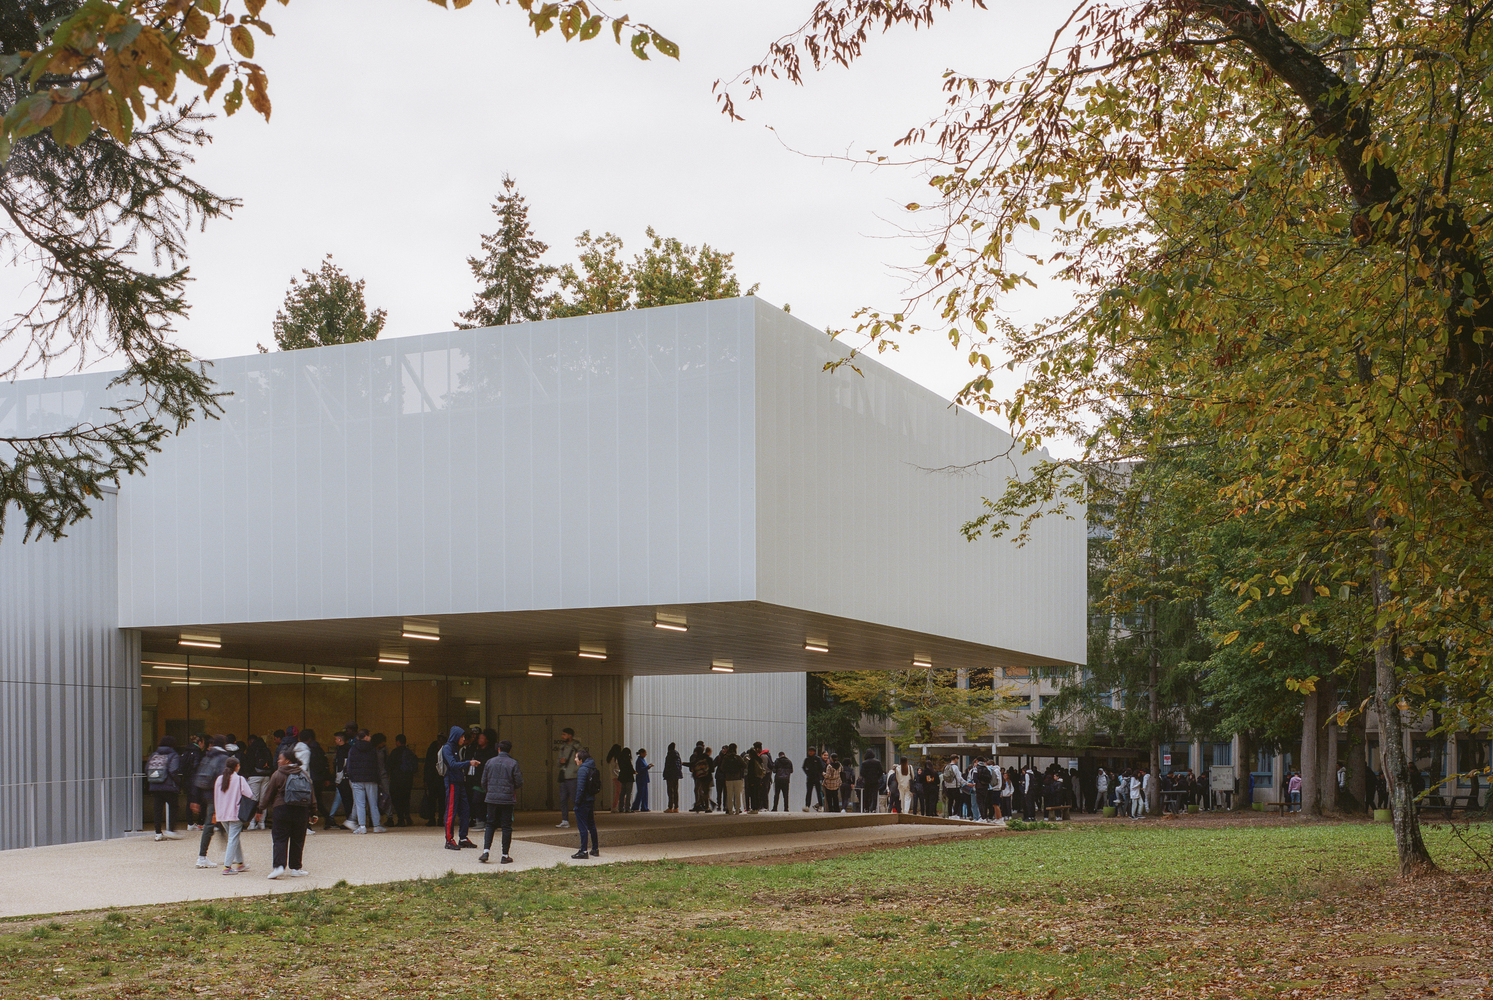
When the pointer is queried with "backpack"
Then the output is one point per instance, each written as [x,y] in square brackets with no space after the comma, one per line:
[593,783]
[210,768]
[440,764]
[701,768]
[298,791]
[158,768]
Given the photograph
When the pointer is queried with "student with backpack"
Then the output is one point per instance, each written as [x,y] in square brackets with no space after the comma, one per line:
[702,769]
[163,771]
[202,791]
[230,792]
[288,800]
[587,788]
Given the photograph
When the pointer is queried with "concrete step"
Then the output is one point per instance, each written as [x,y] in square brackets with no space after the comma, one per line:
[625,829]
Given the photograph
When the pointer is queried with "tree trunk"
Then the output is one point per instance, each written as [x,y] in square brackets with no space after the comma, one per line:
[1358,737]
[1308,763]
[1327,773]
[1415,860]
[1153,681]
[1242,769]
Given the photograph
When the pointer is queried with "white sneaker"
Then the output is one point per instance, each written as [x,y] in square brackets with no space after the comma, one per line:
[204,863]
[380,829]
[160,836]
[297,872]
[171,835]
[275,873]
[564,824]
[360,829]
[310,831]
[350,825]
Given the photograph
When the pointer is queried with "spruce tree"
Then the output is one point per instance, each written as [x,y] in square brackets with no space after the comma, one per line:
[327,307]
[510,274]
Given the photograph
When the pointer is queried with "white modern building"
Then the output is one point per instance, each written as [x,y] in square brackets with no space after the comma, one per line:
[643,525]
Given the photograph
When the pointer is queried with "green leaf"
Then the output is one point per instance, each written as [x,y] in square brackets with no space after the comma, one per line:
[640,45]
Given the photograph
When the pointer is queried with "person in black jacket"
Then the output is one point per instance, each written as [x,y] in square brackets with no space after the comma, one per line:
[701,768]
[673,771]
[813,768]
[402,765]
[626,773]
[342,798]
[365,776]
[163,771]
[871,771]
[782,777]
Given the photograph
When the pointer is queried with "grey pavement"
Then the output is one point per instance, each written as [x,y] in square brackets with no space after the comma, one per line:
[138,870]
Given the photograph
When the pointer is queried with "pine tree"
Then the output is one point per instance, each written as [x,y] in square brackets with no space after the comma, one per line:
[326,308]
[103,225]
[510,274]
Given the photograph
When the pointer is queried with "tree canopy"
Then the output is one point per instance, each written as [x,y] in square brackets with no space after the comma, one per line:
[324,307]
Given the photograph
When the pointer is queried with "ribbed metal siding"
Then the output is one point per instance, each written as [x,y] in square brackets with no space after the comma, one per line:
[69,689]
[719,709]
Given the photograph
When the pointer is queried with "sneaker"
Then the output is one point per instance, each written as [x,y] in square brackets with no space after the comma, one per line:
[171,835]
[596,854]
[160,836]
[564,824]
[361,829]
[507,860]
[204,863]
[275,873]
[451,847]
[380,829]
[350,825]
[297,872]
[229,871]
[580,856]
[482,857]
[240,868]
[466,843]
[310,830]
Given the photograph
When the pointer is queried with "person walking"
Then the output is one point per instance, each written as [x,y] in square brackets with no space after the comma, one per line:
[342,795]
[364,776]
[229,793]
[202,784]
[813,768]
[641,778]
[832,781]
[587,788]
[566,767]
[288,800]
[402,765]
[501,780]
[906,785]
[458,810]
[1294,787]
[673,771]
[782,780]
[871,774]
[163,772]
[191,757]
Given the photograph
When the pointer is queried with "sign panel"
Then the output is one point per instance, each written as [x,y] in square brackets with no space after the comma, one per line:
[1166,760]
[1221,778]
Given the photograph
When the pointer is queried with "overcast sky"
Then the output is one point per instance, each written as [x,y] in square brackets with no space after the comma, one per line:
[394,121]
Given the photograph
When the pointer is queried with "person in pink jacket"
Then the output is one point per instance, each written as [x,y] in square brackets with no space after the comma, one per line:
[228,792]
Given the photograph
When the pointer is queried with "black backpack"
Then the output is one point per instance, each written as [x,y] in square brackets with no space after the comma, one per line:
[158,768]
[593,782]
[298,790]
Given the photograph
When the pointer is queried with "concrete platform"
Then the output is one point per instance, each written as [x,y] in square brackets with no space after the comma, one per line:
[138,870]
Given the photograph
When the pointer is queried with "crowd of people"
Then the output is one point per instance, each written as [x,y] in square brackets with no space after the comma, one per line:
[290,784]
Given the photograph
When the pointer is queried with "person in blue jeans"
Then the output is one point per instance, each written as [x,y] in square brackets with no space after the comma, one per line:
[587,787]
[640,782]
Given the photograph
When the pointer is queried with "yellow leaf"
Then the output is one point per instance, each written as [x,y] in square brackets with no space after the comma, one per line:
[1230,637]
[254,7]
[216,80]
[1323,591]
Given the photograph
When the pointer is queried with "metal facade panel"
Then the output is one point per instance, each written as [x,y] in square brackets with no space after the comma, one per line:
[850,523]
[719,709]
[69,689]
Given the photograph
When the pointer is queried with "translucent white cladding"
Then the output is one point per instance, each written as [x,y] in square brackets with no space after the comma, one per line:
[851,523]
[69,688]
[719,709]
[589,462]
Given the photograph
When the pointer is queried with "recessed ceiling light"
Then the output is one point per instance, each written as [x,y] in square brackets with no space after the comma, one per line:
[199,642]
[334,677]
[541,672]
[722,666]
[816,645]
[473,701]
[419,635]
[163,666]
[394,661]
[922,661]
[592,651]
[674,623]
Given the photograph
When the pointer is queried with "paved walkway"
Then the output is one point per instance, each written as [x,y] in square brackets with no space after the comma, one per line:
[138,870]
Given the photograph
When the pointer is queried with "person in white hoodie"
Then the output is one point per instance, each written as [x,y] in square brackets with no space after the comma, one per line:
[905,790]
[1101,786]
[229,791]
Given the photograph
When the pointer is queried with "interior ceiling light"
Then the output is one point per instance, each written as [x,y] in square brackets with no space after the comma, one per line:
[394,660]
[203,641]
[592,651]
[419,635]
[538,671]
[421,630]
[162,666]
[186,683]
[473,701]
[816,645]
[722,666]
[334,677]
[674,623]
[922,661]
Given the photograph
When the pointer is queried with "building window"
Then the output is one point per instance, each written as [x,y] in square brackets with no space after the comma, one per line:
[1015,672]
[1106,699]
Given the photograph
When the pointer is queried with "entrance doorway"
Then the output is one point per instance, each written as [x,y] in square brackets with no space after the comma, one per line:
[535,740]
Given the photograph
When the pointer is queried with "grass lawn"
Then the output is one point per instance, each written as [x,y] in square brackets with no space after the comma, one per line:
[1095,910]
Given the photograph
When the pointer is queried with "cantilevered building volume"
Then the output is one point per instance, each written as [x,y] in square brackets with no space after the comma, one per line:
[644,526]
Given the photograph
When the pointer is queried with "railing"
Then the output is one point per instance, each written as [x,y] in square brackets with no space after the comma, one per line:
[112,796]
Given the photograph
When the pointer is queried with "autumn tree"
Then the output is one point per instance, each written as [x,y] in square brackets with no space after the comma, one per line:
[667,272]
[510,272]
[920,704]
[324,307]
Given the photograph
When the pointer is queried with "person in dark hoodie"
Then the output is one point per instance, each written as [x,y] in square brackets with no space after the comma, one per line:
[782,778]
[871,772]
[587,788]
[202,782]
[163,771]
[364,773]
[458,809]
[673,771]
[501,780]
